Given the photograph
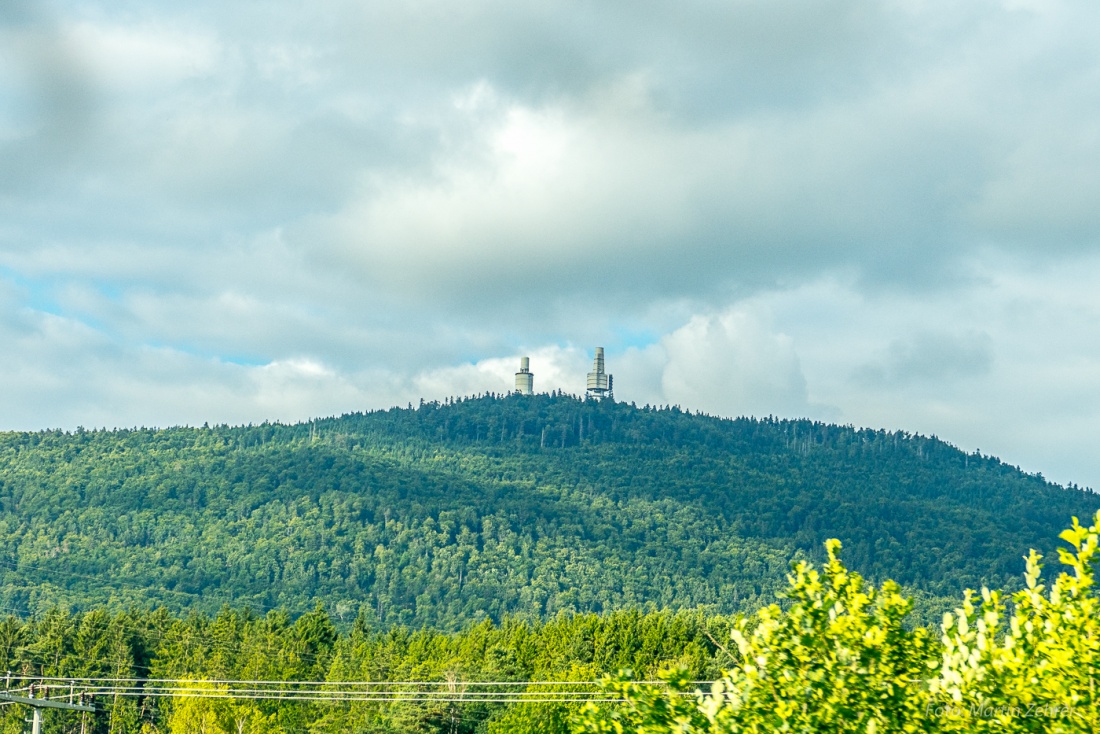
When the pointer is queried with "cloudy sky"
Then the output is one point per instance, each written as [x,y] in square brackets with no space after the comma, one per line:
[878,213]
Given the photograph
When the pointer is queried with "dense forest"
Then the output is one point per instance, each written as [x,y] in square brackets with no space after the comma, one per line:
[839,656]
[142,656]
[442,515]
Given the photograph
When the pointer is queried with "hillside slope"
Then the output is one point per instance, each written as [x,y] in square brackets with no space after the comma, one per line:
[484,507]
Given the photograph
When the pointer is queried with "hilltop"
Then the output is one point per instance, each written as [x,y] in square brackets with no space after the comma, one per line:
[491,506]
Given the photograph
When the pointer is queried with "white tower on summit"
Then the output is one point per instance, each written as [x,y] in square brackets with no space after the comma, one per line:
[525,381]
[600,383]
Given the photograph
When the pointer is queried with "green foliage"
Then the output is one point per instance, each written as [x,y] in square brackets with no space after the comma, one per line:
[519,539]
[494,507]
[1042,659]
[649,709]
[841,659]
[844,657]
[237,645]
[838,655]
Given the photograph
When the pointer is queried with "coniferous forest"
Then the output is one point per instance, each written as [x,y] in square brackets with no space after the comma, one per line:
[161,653]
[491,539]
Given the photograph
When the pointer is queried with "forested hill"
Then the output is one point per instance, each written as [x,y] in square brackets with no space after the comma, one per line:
[446,513]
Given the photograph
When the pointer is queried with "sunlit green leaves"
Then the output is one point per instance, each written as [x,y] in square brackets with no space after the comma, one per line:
[841,659]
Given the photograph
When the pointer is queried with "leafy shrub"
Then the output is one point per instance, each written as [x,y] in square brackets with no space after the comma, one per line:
[840,658]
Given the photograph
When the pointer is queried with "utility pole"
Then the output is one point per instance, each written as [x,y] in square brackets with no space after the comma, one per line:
[42,703]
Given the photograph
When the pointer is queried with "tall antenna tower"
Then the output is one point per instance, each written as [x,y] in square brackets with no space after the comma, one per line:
[525,381]
[600,383]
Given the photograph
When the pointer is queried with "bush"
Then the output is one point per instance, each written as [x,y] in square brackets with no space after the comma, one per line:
[840,658]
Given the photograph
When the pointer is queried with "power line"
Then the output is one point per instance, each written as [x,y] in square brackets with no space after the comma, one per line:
[228,681]
[343,695]
[423,692]
[354,697]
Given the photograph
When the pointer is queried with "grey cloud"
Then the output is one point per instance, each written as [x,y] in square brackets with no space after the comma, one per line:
[889,160]
[640,207]
[709,55]
[51,98]
[1006,363]
[372,199]
[931,356]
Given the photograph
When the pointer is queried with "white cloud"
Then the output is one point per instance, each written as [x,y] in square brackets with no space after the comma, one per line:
[145,58]
[548,191]
[875,212]
[731,364]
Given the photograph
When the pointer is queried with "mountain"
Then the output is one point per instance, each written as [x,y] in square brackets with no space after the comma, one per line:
[484,507]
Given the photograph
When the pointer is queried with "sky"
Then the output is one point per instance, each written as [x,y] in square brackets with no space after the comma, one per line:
[884,214]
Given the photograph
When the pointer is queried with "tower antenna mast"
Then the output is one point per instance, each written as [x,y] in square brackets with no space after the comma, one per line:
[599,382]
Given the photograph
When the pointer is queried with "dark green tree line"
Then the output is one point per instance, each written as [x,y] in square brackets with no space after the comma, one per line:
[237,645]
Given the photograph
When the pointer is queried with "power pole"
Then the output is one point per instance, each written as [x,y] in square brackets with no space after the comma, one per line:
[42,703]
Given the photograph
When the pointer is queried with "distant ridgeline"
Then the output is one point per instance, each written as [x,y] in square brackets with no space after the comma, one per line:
[494,506]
